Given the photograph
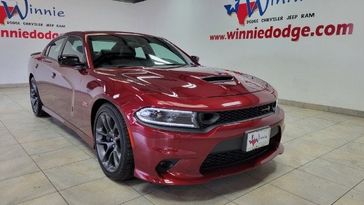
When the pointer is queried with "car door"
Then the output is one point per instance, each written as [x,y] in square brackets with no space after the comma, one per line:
[73,96]
[46,72]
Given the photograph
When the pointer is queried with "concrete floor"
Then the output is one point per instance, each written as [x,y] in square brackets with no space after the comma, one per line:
[41,162]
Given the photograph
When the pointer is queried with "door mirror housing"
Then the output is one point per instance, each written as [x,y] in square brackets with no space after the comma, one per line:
[70,60]
[195,59]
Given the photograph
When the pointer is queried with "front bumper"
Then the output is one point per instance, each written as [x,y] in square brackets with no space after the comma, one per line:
[190,150]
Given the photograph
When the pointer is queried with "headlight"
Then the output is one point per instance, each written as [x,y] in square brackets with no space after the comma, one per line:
[170,118]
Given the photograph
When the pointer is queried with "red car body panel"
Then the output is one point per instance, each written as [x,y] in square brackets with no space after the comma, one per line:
[71,95]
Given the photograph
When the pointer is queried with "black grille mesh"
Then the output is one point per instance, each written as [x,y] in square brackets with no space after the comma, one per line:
[243,114]
[222,160]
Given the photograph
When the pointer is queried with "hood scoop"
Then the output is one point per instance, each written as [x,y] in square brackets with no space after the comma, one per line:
[219,79]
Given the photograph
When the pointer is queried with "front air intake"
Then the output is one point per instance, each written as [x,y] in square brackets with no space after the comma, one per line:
[165,165]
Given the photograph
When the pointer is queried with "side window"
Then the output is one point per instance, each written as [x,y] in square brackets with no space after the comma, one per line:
[166,54]
[74,47]
[54,49]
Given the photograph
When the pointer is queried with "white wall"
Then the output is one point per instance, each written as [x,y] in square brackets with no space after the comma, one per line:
[326,70]
[79,15]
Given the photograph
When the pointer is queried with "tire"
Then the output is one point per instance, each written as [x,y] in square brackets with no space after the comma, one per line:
[35,100]
[112,143]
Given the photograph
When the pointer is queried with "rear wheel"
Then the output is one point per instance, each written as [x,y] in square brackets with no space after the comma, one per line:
[36,103]
[113,146]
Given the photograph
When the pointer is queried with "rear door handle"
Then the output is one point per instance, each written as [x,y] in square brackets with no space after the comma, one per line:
[54,75]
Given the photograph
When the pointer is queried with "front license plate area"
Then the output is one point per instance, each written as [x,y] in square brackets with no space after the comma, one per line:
[257,139]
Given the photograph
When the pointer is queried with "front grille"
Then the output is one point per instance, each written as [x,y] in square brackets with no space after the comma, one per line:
[229,159]
[216,161]
[243,114]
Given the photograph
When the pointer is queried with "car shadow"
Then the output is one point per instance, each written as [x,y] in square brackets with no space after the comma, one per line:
[71,135]
[231,187]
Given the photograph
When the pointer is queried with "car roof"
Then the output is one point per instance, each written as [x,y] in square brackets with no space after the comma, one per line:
[85,33]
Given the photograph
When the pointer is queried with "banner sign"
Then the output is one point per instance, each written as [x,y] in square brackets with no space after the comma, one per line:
[23,20]
[245,14]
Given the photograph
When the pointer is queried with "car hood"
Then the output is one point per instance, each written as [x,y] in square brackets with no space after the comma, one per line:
[188,82]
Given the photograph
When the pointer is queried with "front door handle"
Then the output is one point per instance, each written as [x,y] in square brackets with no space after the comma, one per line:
[54,75]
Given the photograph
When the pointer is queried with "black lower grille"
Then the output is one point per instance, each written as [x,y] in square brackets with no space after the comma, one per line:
[229,159]
[215,161]
[242,114]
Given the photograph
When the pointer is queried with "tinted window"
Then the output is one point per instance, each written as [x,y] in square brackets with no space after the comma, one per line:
[98,46]
[74,46]
[134,50]
[139,53]
[54,49]
[166,54]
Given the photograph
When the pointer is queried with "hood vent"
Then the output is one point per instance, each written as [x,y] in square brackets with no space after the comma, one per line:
[130,1]
[218,79]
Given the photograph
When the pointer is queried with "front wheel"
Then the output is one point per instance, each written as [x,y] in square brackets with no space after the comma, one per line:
[113,146]
[36,103]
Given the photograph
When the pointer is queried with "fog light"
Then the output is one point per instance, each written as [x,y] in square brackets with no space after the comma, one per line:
[165,165]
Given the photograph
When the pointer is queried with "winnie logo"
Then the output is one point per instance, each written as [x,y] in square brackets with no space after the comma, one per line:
[253,141]
[8,12]
[3,14]
[247,9]
[11,8]
[241,10]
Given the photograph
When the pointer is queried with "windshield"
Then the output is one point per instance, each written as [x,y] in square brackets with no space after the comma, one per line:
[134,50]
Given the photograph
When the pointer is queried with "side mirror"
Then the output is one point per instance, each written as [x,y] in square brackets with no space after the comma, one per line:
[195,59]
[70,60]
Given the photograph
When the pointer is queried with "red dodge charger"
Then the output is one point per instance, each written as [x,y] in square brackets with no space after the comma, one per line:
[152,111]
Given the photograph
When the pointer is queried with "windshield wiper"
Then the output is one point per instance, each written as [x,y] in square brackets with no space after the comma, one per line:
[171,65]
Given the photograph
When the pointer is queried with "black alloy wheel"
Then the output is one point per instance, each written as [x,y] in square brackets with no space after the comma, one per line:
[112,142]
[35,100]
